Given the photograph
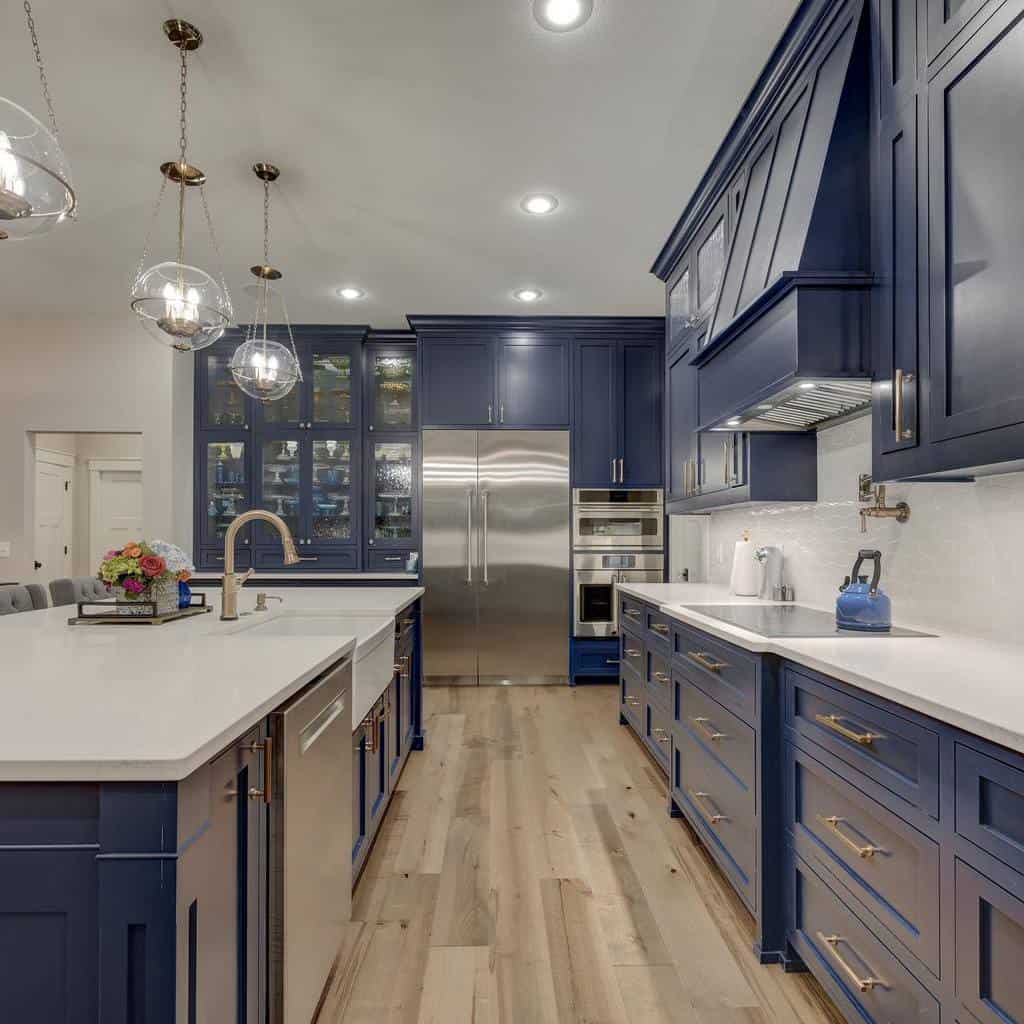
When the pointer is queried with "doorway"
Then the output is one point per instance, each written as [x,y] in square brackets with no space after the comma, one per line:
[54,526]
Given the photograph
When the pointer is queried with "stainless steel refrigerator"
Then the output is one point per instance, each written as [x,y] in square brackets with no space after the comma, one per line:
[496,514]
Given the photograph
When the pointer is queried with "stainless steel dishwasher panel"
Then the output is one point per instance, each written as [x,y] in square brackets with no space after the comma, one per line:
[310,897]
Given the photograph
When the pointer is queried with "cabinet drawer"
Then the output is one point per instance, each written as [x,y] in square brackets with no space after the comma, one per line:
[724,671]
[657,734]
[719,733]
[312,560]
[631,615]
[724,810]
[990,805]
[895,752]
[631,700]
[888,864]
[388,561]
[595,657]
[989,948]
[631,655]
[847,958]
[658,677]
[213,558]
[658,628]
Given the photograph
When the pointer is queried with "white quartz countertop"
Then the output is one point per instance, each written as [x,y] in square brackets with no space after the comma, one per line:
[973,684]
[212,579]
[134,703]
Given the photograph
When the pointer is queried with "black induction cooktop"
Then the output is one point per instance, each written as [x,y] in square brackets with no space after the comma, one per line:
[789,620]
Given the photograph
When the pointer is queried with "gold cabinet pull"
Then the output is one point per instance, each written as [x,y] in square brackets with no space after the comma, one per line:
[635,616]
[660,627]
[833,822]
[661,735]
[861,984]
[706,661]
[835,723]
[705,726]
[901,378]
[633,702]
[703,801]
[267,792]
[662,678]
[632,652]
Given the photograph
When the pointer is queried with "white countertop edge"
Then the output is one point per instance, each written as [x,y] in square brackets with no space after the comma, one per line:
[171,769]
[214,578]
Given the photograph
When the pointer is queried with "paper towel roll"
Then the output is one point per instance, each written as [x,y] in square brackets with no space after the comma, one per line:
[746,573]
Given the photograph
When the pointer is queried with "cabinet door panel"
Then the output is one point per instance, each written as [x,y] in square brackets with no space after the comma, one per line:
[681,421]
[681,320]
[458,382]
[392,466]
[595,424]
[391,395]
[946,19]
[333,378]
[225,492]
[640,449]
[896,55]
[976,161]
[899,336]
[220,403]
[533,383]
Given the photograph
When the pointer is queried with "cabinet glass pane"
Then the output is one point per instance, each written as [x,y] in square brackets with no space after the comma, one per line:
[679,303]
[284,410]
[332,388]
[225,403]
[280,484]
[710,264]
[332,490]
[392,391]
[392,491]
[226,486]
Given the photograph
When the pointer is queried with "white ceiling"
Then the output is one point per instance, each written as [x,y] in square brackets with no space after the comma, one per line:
[407,132]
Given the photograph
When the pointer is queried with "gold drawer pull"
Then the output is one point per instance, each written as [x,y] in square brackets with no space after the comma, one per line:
[631,653]
[703,801]
[660,627]
[660,735]
[705,726]
[861,984]
[662,678]
[635,616]
[834,822]
[706,661]
[835,723]
[633,702]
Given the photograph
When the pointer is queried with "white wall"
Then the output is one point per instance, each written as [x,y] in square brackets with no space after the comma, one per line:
[956,566]
[66,376]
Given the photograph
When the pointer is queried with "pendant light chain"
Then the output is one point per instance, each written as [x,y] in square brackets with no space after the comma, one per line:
[266,223]
[149,232]
[216,244]
[42,70]
[183,145]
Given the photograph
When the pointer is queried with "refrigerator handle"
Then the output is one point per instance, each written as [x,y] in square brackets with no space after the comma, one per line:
[483,513]
[469,537]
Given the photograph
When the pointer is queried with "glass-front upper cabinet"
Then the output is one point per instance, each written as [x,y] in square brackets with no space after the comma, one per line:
[393,487]
[390,379]
[227,487]
[221,403]
[334,373]
[331,512]
[280,478]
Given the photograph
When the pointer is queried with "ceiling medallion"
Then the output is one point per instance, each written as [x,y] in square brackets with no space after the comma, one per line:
[181,305]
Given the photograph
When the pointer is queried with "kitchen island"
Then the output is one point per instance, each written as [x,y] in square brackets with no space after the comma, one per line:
[145,776]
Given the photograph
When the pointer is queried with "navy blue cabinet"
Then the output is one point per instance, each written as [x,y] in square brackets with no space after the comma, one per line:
[533,381]
[391,398]
[617,417]
[457,381]
[680,424]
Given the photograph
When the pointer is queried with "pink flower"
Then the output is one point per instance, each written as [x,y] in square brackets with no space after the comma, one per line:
[152,565]
[133,586]
[112,553]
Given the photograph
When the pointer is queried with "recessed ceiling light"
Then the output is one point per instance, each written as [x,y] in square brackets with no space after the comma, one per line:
[562,15]
[539,203]
[527,294]
[350,293]
[807,385]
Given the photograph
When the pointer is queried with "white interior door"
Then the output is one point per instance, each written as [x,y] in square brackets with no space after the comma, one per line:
[115,506]
[54,519]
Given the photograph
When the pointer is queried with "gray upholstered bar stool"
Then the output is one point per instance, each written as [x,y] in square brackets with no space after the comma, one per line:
[81,588]
[28,598]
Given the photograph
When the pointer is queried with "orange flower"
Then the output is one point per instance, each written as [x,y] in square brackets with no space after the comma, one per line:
[184,576]
[132,551]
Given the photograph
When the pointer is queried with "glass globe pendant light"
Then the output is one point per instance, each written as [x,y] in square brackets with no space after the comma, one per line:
[35,179]
[181,305]
[263,367]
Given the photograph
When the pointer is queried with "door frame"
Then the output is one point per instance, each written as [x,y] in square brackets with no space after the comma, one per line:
[51,457]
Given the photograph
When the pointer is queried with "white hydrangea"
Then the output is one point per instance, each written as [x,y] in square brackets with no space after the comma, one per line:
[176,559]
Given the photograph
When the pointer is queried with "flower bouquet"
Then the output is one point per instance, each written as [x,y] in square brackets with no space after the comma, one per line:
[154,573]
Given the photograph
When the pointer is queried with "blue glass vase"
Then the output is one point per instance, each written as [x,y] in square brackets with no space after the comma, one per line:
[184,594]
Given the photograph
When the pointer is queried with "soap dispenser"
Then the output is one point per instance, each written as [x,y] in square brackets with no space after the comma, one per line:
[861,605]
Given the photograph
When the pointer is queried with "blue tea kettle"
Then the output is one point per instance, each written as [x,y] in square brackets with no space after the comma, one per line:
[861,605]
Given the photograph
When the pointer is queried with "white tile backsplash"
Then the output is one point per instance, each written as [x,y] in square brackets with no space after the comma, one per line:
[955,566]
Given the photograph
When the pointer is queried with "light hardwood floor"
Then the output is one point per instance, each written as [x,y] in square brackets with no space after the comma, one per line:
[527,872]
